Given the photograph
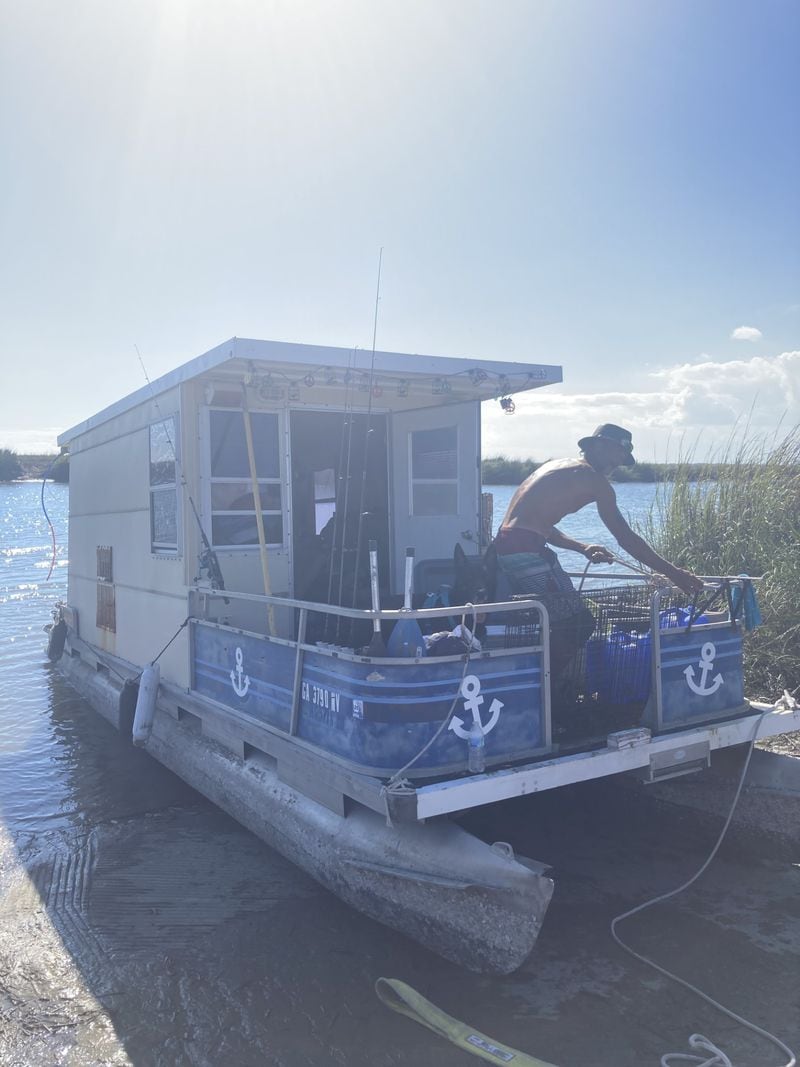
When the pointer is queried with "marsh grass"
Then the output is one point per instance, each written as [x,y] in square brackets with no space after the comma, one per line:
[744,520]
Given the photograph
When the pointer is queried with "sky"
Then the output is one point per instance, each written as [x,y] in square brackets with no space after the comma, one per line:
[609,186]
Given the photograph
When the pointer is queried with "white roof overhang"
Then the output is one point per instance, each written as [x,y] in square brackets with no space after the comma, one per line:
[433,380]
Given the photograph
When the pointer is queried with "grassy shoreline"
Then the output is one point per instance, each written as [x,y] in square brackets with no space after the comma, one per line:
[22,466]
[743,517]
[500,470]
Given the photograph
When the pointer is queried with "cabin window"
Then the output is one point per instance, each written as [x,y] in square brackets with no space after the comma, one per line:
[106,618]
[233,510]
[163,486]
[324,498]
[434,471]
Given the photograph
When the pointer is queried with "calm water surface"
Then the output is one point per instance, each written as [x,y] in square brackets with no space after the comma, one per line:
[634,500]
[60,764]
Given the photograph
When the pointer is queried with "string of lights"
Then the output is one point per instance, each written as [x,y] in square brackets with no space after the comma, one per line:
[276,385]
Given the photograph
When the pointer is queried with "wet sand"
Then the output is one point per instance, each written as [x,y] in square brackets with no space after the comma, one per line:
[153,930]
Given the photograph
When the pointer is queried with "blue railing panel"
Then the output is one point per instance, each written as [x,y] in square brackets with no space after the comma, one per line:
[377,715]
[701,674]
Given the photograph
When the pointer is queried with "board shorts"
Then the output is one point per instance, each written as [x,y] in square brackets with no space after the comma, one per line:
[538,573]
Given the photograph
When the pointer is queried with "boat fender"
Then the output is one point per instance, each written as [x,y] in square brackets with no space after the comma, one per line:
[56,640]
[146,704]
[126,709]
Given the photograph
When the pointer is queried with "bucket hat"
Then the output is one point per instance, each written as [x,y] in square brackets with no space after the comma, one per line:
[609,432]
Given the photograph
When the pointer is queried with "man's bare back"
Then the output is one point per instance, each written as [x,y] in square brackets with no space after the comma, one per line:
[563,486]
[556,489]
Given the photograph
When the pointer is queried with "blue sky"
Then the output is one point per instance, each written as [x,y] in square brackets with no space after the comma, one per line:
[609,186]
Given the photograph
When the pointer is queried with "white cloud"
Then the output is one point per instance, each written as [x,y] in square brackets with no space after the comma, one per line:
[746,333]
[33,442]
[692,402]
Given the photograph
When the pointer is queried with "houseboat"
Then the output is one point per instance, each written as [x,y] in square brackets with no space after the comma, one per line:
[266,546]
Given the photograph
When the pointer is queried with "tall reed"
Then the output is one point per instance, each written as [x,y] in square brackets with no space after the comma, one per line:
[744,521]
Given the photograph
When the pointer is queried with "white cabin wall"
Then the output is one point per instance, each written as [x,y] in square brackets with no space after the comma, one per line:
[109,497]
[435,536]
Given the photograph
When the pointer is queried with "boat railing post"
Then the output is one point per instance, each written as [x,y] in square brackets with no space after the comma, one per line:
[546,703]
[655,627]
[198,604]
[298,670]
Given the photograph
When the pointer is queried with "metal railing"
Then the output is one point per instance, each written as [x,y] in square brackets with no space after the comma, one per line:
[463,611]
[305,607]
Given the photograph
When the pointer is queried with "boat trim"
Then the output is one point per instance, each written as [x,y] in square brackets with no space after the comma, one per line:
[442,798]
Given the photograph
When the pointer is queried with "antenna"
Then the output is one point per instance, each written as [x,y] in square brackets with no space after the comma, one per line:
[367,435]
[377,299]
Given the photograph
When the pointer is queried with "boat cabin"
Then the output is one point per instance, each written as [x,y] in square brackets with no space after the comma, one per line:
[348,447]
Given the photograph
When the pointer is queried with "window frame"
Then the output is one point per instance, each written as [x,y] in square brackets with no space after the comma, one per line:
[165,548]
[246,483]
[412,481]
[324,500]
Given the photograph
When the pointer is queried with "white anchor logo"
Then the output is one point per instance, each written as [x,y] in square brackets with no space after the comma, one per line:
[706,665]
[470,690]
[240,686]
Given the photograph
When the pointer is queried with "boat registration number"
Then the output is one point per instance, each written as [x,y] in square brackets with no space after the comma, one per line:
[320,696]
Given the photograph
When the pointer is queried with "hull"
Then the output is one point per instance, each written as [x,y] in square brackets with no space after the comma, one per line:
[292,744]
[475,904]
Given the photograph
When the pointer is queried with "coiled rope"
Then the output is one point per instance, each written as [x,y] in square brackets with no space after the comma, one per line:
[698,1041]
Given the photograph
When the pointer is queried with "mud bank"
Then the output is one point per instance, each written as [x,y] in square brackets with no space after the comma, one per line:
[175,937]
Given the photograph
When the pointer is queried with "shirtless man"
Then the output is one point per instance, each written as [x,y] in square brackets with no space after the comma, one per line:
[559,488]
[556,489]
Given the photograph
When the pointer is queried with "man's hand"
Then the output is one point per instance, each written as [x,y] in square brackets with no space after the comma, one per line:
[598,554]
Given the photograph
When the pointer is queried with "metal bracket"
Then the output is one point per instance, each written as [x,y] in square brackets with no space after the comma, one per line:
[677,761]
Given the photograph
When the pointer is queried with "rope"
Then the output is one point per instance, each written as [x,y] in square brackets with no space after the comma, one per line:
[405,1000]
[49,523]
[622,563]
[166,646]
[698,1041]
[395,779]
[136,677]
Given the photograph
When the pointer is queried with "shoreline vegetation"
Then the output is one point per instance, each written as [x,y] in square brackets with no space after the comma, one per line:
[495,470]
[16,466]
[500,470]
[742,516]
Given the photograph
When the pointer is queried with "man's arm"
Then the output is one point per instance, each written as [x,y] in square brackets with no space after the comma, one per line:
[594,553]
[636,546]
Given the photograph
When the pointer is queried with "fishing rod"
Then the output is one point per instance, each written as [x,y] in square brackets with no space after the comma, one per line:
[368,432]
[344,474]
[207,559]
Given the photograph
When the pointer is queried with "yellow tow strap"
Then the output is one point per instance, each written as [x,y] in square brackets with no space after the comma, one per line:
[407,1001]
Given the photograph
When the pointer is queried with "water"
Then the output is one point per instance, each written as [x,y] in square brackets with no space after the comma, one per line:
[60,765]
[634,500]
[140,925]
